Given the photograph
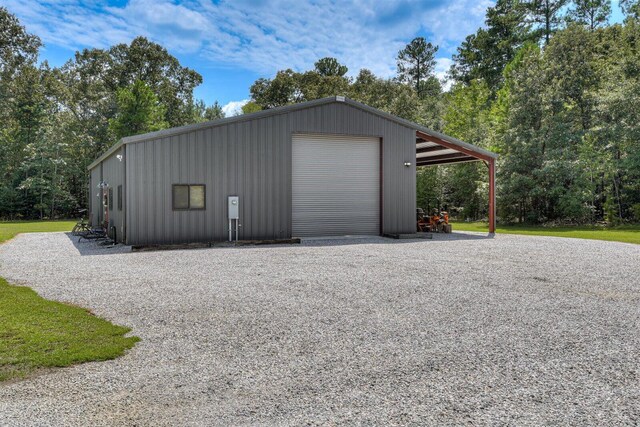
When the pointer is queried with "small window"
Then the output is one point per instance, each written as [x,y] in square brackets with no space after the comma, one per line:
[196,197]
[180,197]
[188,197]
[110,199]
[119,197]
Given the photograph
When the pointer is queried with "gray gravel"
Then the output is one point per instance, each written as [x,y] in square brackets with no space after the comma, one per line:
[463,329]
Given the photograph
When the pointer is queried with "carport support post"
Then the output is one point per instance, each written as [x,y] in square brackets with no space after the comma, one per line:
[492,195]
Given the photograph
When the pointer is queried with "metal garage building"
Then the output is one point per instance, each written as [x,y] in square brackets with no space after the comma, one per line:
[326,167]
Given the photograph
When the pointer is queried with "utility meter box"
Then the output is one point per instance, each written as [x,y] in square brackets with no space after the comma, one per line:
[234,207]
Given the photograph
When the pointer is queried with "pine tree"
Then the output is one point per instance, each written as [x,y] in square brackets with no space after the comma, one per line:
[592,13]
[546,14]
[416,63]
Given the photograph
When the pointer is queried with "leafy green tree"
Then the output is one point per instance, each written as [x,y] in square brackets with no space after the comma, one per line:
[283,89]
[572,76]
[28,112]
[466,116]
[139,111]
[314,86]
[204,113]
[521,147]
[290,87]
[471,62]
[630,8]
[549,115]
[56,121]
[592,13]
[88,90]
[17,47]
[416,63]
[387,95]
[149,62]
[612,147]
[94,76]
[19,110]
[251,107]
[214,112]
[483,55]
[330,67]
[39,175]
[467,112]
[547,15]
[430,184]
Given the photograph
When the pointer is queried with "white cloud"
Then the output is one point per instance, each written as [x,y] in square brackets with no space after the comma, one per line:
[441,71]
[234,108]
[261,36]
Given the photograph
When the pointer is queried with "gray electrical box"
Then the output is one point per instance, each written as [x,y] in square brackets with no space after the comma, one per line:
[234,207]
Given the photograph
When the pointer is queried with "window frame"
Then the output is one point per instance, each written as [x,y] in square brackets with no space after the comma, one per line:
[189,208]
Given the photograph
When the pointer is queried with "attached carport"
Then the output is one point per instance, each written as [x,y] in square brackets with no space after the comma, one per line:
[434,149]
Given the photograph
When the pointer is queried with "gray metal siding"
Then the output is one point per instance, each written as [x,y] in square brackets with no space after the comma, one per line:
[112,171]
[336,185]
[94,201]
[252,159]
[113,174]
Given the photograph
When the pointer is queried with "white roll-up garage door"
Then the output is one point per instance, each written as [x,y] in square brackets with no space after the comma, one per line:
[336,185]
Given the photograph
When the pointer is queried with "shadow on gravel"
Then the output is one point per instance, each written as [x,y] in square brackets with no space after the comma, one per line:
[96,247]
[372,240]
[92,247]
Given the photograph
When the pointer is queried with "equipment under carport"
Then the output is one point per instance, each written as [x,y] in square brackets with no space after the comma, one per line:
[436,223]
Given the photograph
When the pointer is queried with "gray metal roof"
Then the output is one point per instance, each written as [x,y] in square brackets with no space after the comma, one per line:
[283,110]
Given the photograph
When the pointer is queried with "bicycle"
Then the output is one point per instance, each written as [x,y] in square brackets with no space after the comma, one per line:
[96,233]
[82,226]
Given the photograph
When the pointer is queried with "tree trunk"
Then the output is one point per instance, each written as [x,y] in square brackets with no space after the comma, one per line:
[41,186]
[53,181]
[418,78]
[617,189]
[616,184]
[547,28]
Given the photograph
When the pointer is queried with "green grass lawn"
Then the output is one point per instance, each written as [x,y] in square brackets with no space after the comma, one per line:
[36,333]
[627,233]
[9,229]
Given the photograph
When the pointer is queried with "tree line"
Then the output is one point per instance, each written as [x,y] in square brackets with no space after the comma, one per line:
[549,85]
[559,103]
[56,120]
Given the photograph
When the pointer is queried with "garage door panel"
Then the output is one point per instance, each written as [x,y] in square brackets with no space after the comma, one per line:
[335,185]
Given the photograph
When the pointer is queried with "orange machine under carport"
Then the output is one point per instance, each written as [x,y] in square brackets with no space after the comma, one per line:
[432,150]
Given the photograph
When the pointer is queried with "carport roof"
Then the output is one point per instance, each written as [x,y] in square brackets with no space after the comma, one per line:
[453,150]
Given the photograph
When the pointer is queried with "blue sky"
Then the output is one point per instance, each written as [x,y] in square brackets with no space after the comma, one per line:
[232,43]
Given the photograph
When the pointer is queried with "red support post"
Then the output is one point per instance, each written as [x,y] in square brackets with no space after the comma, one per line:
[492,196]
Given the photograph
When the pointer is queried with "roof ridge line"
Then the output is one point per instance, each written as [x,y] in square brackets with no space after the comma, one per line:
[283,110]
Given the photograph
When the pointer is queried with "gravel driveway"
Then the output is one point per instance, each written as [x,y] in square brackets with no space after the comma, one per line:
[512,330]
